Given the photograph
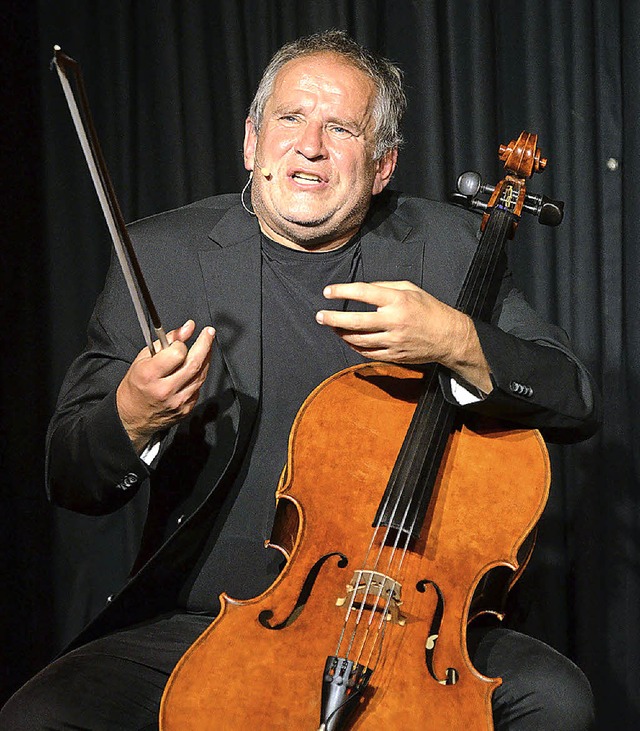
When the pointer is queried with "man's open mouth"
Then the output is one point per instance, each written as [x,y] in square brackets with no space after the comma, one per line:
[307,177]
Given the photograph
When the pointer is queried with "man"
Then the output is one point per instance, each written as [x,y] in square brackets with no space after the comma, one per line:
[327,270]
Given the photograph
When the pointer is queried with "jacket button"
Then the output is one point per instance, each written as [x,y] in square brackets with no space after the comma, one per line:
[521,389]
[127,481]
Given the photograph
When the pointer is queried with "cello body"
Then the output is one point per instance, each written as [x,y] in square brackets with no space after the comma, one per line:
[263,662]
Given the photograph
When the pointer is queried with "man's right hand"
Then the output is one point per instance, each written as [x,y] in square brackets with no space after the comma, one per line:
[159,391]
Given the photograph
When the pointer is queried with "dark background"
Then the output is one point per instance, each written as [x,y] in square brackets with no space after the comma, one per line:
[169,84]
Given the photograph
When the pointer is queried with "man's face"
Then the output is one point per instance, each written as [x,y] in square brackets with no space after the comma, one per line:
[316,142]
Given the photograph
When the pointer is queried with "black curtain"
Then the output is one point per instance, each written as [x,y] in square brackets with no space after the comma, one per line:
[170,84]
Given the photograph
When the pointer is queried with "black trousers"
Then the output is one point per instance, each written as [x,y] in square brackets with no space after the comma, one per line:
[115,683]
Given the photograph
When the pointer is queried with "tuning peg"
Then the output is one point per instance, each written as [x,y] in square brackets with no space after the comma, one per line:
[469,184]
[552,212]
[548,211]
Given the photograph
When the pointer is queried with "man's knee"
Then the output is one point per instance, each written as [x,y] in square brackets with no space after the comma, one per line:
[553,693]
[541,689]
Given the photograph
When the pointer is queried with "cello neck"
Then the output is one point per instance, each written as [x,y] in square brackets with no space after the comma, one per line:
[410,488]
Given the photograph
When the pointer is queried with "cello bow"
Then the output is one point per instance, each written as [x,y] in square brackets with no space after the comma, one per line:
[69,71]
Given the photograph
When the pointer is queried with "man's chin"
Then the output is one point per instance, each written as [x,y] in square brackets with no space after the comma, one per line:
[307,218]
[311,228]
[310,237]
[308,225]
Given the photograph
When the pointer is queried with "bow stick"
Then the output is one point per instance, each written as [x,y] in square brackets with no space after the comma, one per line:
[83,122]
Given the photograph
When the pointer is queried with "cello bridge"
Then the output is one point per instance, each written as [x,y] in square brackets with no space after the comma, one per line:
[377,591]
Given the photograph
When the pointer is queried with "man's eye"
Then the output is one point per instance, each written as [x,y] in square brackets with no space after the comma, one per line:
[289,118]
[339,131]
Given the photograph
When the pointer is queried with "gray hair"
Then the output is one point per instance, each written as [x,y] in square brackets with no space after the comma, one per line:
[390,101]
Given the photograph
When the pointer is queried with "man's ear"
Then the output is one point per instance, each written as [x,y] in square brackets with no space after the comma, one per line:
[250,142]
[384,170]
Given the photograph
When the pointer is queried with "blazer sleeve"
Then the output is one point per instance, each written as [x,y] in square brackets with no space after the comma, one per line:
[91,465]
[538,381]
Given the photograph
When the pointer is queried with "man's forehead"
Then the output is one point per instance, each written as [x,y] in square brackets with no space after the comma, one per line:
[335,70]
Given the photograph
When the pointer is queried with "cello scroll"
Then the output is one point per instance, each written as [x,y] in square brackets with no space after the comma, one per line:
[522,158]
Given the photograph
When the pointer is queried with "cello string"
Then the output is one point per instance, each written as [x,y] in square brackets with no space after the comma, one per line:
[367,587]
[504,221]
[383,542]
[471,301]
[476,291]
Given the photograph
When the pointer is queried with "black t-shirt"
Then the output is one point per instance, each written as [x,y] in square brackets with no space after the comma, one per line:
[297,355]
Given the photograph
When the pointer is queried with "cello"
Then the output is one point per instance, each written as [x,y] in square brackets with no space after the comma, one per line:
[392,542]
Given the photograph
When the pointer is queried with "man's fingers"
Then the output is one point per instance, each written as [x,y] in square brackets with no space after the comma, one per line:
[179,334]
[182,333]
[200,353]
[164,362]
[176,365]
[359,291]
[195,363]
[350,321]
[373,293]
[403,284]
[157,391]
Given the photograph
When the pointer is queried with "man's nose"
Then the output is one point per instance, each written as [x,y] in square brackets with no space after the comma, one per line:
[310,143]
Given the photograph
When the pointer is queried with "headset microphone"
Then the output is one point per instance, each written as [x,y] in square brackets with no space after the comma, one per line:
[264,170]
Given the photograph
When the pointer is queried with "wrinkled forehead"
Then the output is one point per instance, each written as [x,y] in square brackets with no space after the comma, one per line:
[335,77]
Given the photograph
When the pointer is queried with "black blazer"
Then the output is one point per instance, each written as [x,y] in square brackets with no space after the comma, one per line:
[203,262]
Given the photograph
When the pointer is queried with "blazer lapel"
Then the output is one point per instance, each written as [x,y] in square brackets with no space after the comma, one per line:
[385,258]
[232,281]
[392,251]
